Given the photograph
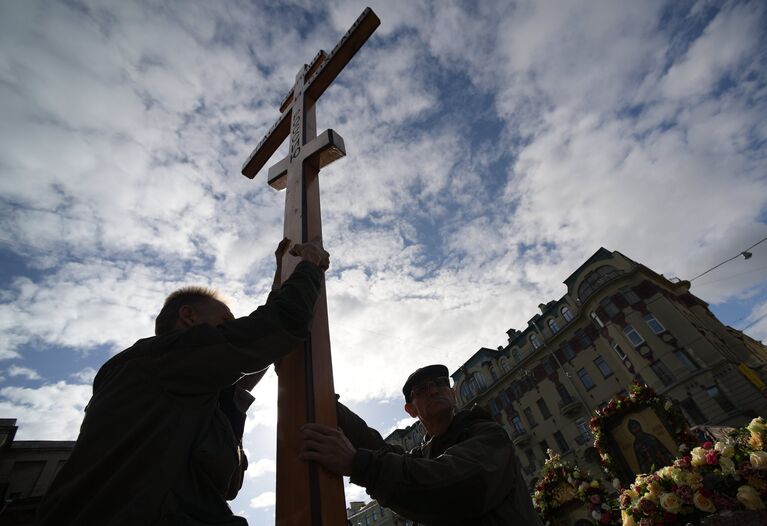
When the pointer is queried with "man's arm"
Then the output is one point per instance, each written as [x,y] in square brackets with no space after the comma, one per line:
[468,480]
[357,430]
[205,357]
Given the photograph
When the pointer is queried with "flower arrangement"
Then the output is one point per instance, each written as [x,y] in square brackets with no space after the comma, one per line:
[640,396]
[716,477]
[561,483]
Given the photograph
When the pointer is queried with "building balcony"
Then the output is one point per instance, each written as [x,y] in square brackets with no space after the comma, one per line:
[520,437]
[529,470]
[569,406]
[583,440]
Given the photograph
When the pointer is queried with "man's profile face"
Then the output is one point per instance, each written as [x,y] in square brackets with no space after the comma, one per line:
[211,312]
[431,396]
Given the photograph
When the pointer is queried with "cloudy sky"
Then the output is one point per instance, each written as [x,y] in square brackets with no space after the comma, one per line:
[492,147]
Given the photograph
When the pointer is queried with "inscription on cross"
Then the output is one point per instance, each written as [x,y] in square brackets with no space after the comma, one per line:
[307,495]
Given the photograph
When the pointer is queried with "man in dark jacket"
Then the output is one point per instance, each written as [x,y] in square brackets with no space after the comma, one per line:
[160,442]
[464,473]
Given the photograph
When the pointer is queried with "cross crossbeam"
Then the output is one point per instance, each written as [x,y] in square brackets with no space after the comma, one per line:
[323,73]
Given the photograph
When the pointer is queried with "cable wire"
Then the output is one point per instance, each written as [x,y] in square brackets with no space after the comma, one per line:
[728,260]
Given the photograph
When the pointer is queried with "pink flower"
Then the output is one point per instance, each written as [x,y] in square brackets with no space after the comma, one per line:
[708,444]
[712,457]
[595,499]
[647,506]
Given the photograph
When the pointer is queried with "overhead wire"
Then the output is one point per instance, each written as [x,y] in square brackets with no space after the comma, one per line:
[742,253]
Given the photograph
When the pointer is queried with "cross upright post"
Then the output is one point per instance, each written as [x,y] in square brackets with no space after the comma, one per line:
[306,494]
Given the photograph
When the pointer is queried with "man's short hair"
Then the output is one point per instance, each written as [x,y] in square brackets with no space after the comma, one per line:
[166,321]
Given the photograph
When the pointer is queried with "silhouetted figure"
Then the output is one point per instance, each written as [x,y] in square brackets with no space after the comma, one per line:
[650,452]
[161,438]
[464,473]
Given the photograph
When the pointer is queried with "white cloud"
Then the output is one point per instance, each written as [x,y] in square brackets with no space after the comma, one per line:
[26,372]
[264,500]
[51,412]
[85,376]
[491,149]
[260,467]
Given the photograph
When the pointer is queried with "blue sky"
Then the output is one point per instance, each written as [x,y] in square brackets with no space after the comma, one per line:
[491,148]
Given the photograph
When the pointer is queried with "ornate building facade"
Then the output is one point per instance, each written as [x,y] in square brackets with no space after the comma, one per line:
[619,321]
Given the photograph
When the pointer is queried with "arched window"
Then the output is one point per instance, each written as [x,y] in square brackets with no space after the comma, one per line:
[473,385]
[596,279]
[553,326]
[566,314]
[535,341]
[505,364]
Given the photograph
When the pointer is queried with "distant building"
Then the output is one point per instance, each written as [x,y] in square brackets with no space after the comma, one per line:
[619,321]
[407,438]
[368,514]
[27,468]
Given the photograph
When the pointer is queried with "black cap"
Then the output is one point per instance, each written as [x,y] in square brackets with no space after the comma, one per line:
[430,371]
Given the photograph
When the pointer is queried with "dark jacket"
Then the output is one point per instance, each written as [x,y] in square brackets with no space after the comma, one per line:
[159,443]
[466,476]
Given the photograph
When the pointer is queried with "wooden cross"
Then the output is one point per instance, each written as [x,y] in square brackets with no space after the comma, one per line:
[307,495]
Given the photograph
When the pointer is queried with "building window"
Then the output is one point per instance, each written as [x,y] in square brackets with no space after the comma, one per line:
[543,408]
[596,279]
[473,385]
[664,375]
[564,394]
[548,368]
[619,351]
[686,360]
[535,341]
[553,327]
[505,364]
[567,351]
[583,428]
[582,338]
[491,368]
[654,324]
[596,320]
[529,417]
[603,367]
[530,457]
[629,295]
[561,442]
[516,423]
[566,314]
[693,411]
[585,377]
[505,400]
[544,448]
[609,307]
[720,398]
[633,336]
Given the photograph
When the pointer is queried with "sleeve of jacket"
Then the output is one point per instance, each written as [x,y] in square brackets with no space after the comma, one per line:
[206,358]
[467,480]
[357,430]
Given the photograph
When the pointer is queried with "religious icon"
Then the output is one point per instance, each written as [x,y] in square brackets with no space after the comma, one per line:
[644,441]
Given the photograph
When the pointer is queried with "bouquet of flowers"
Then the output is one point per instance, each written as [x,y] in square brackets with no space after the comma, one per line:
[721,477]
[561,483]
[639,396]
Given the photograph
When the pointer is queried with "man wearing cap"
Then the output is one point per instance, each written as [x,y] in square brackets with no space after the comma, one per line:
[464,472]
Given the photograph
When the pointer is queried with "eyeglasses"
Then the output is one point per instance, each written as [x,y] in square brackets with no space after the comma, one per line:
[425,387]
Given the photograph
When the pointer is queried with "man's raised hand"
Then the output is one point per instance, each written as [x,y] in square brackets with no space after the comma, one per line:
[313,253]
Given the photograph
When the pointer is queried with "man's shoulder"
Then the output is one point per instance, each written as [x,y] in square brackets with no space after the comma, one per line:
[476,419]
